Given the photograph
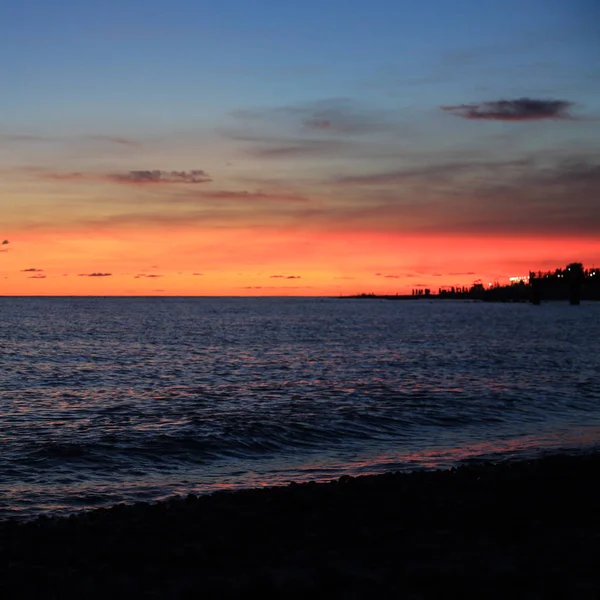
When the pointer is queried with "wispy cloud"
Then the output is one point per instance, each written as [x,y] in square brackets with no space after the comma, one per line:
[297,148]
[32,270]
[4,242]
[312,130]
[244,196]
[147,276]
[37,276]
[142,177]
[73,176]
[120,141]
[190,195]
[37,138]
[157,177]
[526,197]
[521,109]
[544,194]
[445,171]
[285,276]
[340,116]
[95,274]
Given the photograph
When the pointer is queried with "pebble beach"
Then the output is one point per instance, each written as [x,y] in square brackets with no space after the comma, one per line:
[528,529]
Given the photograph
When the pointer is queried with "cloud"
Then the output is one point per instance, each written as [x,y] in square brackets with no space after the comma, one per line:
[143,177]
[258,196]
[73,176]
[37,276]
[437,172]
[189,195]
[197,274]
[120,141]
[32,270]
[546,194]
[148,276]
[521,109]
[26,137]
[542,196]
[159,177]
[312,129]
[285,276]
[298,149]
[4,242]
[95,274]
[340,116]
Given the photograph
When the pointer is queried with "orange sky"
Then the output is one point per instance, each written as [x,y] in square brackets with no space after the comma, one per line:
[244,261]
[338,209]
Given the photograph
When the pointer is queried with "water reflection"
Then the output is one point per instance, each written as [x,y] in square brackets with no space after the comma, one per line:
[130,399]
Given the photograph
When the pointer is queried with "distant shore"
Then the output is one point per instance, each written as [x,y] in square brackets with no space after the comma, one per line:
[516,529]
[428,297]
[465,298]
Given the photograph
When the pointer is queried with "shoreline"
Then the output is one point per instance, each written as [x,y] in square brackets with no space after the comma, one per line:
[523,528]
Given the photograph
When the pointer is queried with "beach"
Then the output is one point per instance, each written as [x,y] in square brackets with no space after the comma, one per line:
[526,529]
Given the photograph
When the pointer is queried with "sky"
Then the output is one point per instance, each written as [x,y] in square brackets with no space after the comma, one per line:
[278,147]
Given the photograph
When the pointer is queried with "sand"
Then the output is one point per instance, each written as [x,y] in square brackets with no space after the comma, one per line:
[510,530]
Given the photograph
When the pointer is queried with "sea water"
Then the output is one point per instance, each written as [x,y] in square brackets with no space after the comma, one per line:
[106,400]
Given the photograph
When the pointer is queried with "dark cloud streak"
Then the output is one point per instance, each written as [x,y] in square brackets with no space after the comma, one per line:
[520,109]
[160,177]
[141,177]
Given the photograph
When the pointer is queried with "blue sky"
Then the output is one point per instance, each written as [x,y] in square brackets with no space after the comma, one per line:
[129,61]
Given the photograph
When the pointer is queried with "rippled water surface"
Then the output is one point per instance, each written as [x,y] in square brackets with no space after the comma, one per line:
[105,400]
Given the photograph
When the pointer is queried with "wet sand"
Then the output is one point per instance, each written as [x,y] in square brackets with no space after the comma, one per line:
[512,530]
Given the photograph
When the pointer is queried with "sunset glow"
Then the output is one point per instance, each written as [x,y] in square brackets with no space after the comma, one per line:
[307,164]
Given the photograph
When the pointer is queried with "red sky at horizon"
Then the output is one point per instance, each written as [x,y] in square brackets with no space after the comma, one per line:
[272,263]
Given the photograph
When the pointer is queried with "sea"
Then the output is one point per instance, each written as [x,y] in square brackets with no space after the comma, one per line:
[109,400]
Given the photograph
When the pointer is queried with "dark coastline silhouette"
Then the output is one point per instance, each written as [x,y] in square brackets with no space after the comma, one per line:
[573,283]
